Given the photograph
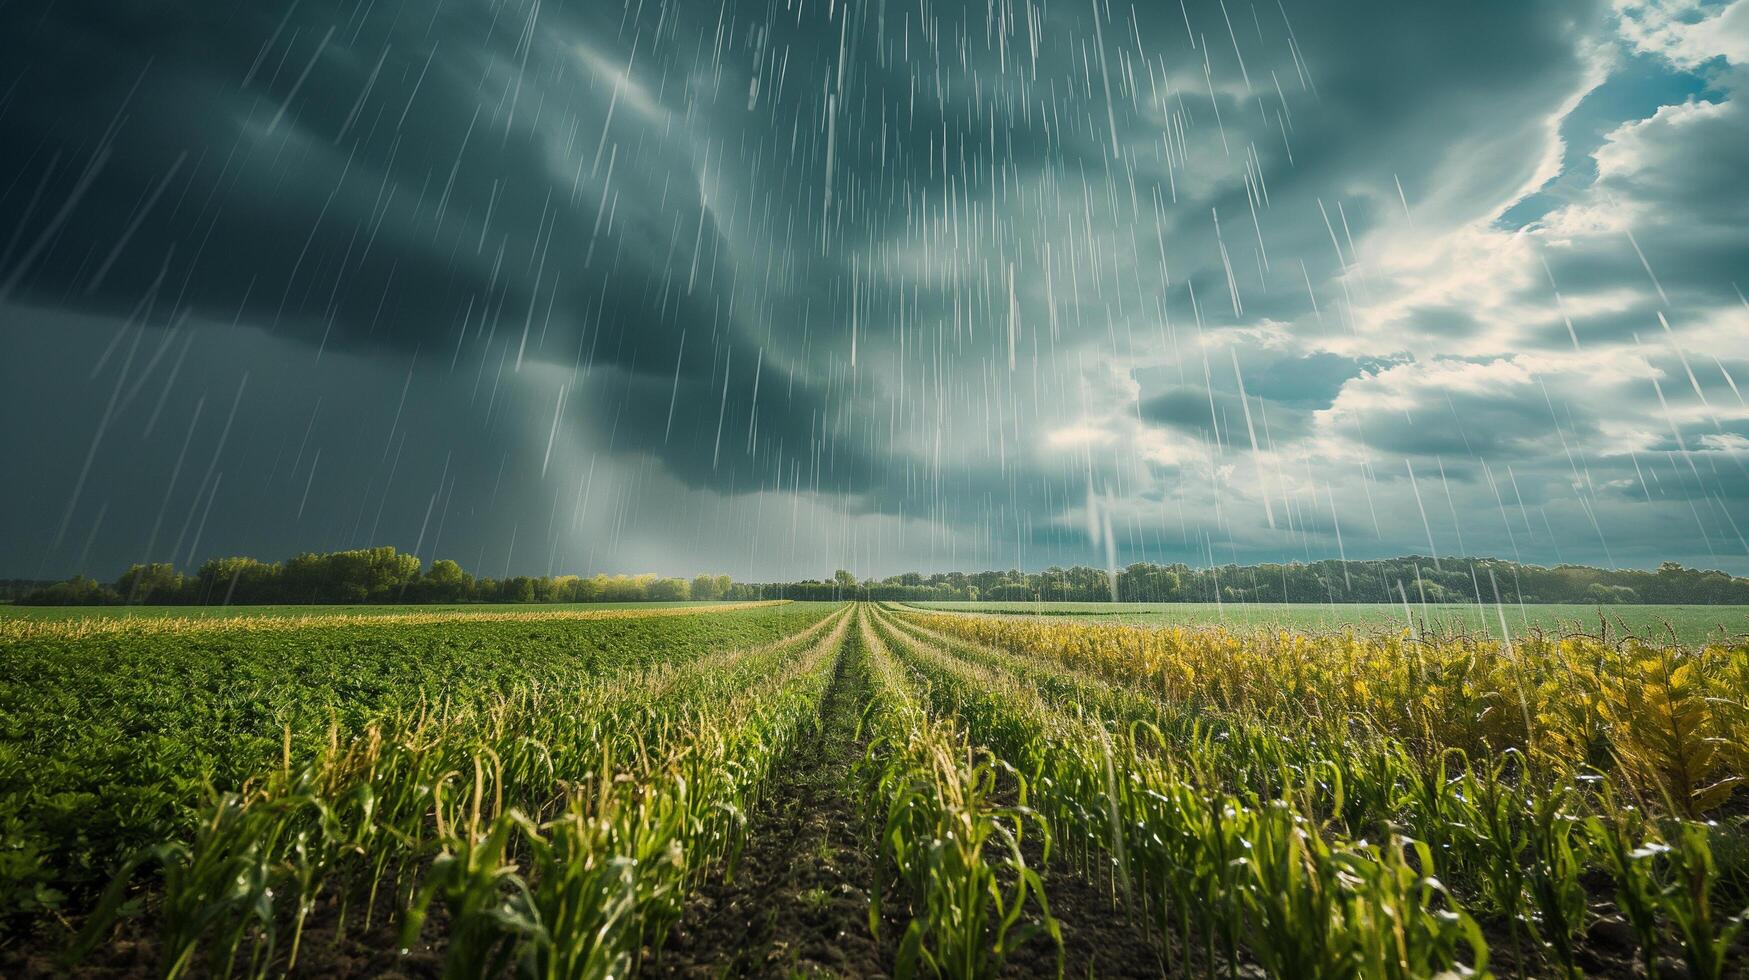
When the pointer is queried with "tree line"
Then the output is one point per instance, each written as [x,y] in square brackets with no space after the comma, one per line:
[1412,578]
[383,575]
[366,575]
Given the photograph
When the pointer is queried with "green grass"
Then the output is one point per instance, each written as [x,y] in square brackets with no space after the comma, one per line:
[51,613]
[1689,624]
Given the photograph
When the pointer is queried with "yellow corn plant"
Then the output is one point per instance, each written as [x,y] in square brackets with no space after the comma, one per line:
[1669,721]
[1521,774]
[1226,874]
[1662,728]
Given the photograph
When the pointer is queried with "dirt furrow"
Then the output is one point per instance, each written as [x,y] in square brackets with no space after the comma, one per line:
[796,904]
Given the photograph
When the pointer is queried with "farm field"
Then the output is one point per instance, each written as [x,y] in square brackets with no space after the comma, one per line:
[1689,624]
[110,728]
[507,490]
[45,613]
[863,789]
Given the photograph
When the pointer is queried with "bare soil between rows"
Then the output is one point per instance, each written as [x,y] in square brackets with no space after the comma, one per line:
[797,902]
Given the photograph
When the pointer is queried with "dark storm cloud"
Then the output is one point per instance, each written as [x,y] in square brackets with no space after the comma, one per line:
[745,442]
[881,258]
[326,169]
[380,179]
[327,173]
[968,150]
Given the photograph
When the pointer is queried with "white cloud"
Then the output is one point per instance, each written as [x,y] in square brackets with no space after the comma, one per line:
[1685,31]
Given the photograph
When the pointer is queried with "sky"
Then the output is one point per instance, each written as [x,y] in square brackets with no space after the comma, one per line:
[770,289]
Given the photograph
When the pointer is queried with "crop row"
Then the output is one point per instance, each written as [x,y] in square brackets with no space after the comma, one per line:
[1283,803]
[557,830]
[1670,723]
[111,741]
[955,845]
[1322,841]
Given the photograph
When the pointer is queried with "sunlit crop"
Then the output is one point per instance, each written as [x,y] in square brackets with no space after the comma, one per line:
[1355,806]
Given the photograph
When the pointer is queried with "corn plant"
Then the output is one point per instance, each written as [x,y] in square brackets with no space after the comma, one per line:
[1687,901]
[1522,770]
[1231,876]
[460,796]
[1618,837]
[952,844]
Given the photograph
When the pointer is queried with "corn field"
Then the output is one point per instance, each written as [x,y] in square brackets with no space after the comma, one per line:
[1266,803]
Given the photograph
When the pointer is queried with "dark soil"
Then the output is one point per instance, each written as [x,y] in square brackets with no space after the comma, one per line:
[376,953]
[1099,940]
[797,903]
[1608,948]
[131,952]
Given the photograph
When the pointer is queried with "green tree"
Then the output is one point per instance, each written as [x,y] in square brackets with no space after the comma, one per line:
[76,591]
[242,580]
[446,582]
[668,590]
[517,589]
[156,582]
[843,583]
[705,587]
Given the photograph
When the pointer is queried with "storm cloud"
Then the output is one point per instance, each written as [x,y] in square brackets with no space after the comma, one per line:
[772,288]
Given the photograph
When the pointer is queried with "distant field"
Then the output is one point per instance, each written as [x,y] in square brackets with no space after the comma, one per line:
[295,611]
[1691,624]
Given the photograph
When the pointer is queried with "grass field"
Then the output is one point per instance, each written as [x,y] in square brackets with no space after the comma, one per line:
[1689,624]
[805,789]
